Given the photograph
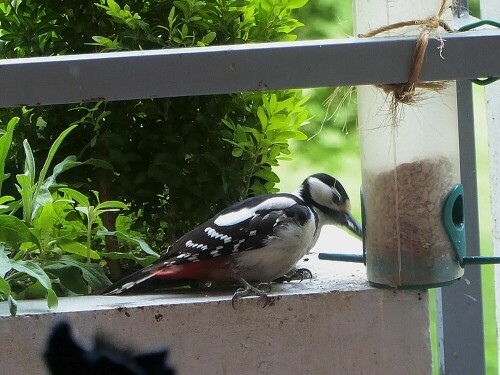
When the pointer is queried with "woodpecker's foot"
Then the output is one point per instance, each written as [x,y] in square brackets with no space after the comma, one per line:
[264,287]
[299,274]
[250,290]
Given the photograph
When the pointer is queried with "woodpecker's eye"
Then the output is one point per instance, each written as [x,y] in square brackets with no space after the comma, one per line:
[336,197]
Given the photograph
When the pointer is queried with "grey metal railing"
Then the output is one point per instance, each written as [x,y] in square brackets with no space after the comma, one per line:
[229,69]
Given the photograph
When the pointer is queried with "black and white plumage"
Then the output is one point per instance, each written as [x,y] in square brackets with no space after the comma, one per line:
[259,239]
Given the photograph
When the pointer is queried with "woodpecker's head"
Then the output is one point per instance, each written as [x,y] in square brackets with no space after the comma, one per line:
[330,201]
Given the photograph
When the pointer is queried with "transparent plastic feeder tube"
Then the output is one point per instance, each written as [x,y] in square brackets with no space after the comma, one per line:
[410,164]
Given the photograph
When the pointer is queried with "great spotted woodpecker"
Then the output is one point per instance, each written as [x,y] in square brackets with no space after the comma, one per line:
[257,240]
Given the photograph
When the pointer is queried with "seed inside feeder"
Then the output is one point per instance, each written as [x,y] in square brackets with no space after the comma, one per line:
[406,242]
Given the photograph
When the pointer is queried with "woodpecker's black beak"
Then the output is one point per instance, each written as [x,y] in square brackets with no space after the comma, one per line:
[350,223]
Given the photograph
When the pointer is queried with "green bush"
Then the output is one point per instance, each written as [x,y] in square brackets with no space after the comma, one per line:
[173,162]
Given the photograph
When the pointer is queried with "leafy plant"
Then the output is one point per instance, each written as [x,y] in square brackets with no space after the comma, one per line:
[281,117]
[43,254]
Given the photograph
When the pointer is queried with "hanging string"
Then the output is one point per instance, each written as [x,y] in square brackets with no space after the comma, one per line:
[405,92]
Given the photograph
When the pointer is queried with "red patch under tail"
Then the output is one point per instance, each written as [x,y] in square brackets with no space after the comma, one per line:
[215,270]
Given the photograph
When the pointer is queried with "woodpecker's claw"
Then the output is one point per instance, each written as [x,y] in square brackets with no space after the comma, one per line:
[264,287]
[250,290]
[299,274]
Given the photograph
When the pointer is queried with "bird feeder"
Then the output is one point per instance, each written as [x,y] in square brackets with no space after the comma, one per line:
[414,230]
[413,201]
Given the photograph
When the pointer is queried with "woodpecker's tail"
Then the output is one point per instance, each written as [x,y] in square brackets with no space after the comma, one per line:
[128,283]
[164,275]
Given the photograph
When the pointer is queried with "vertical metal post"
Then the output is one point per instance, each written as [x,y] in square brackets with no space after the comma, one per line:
[460,8]
[459,307]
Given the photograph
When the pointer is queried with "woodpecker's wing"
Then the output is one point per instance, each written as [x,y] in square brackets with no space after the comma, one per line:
[244,226]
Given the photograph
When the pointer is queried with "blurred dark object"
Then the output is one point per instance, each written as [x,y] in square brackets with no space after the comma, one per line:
[64,356]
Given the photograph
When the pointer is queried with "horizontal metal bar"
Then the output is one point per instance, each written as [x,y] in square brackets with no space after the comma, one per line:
[229,69]
[473,260]
[353,258]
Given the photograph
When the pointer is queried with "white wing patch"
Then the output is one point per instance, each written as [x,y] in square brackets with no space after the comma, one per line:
[214,234]
[195,245]
[236,217]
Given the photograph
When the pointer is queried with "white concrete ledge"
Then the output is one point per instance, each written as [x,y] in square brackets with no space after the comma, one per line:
[334,324]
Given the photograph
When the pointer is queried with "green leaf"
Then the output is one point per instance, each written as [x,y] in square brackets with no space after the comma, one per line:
[274,152]
[66,164]
[295,4]
[171,16]
[74,247]
[29,167]
[52,301]
[13,231]
[80,198]
[287,104]
[261,114]
[4,262]
[69,277]
[237,152]
[15,4]
[52,152]
[92,273]
[258,189]
[5,143]
[228,123]
[33,291]
[7,207]
[268,175]
[240,135]
[128,238]
[26,190]
[45,220]
[111,205]
[183,7]
[6,198]
[107,43]
[85,210]
[253,131]
[267,5]
[20,254]
[113,6]
[98,163]
[184,31]
[300,136]
[287,135]
[4,287]
[34,270]
[43,196]
[12,305]
[209,38]
[273,102]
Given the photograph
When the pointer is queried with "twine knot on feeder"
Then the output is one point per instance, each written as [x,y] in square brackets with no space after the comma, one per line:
[404,93]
